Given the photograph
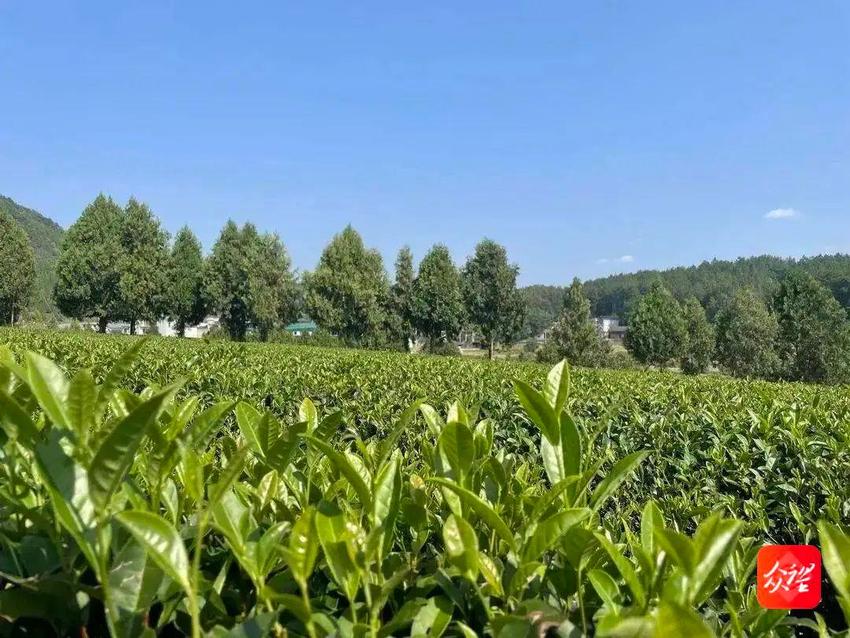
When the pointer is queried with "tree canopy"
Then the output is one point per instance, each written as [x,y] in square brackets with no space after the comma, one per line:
[401,299]
[438,311]
[142,266]
[574,336]
[657,330]
[346,294]
[746,336]
[17,269]
[185,302]
[699,345]
[490,295]
[814,338]
[88,272]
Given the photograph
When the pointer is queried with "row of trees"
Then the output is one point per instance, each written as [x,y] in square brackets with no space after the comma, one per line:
[803,334]
[118,264]
[349,295]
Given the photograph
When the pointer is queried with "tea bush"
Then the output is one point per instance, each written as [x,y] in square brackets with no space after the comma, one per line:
[170,487]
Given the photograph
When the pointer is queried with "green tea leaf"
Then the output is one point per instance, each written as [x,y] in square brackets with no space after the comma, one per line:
[162,542]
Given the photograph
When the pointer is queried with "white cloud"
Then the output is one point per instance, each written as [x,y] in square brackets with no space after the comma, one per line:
[781,213]
[624,259]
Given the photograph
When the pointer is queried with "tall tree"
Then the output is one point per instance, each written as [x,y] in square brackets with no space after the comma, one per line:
[346,294]
[273,298]
[438,311]
[401,298]
[656,327]
[226,281]
[17,269]
[746,336]
[143,266]
[574,336]
[489,291]
[813,331]
[185,291]
[699,346]
[88,268]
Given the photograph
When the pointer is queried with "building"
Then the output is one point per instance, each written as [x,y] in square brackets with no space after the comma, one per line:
[610,328]
[167,328]
[304,328]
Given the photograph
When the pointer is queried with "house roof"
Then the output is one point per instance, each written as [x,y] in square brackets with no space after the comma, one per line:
[302,326]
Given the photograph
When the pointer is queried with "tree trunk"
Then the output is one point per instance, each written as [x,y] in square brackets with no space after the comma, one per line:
[490,349]
[101,324]
[181,328]
[132,326]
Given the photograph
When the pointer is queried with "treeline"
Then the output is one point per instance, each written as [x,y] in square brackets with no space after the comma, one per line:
[118,264]
[801,334]
[713,283]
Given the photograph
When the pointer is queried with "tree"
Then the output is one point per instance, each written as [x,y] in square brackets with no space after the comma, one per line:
[746,336]
[273,295]
[346,294]
[438,311]
[185,292]
[226,281]
[17,269]
[574,336]
[813,332]
[656,327]
[489,289]
[87,271]
[401,298]
[143,266]
[699,345]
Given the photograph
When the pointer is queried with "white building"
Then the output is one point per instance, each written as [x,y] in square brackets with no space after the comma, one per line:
[166,328]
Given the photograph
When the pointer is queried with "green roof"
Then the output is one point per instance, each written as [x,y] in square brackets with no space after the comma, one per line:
[302,326]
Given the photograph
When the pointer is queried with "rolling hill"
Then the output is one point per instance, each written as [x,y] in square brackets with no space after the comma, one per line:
[712,282]
[46,237]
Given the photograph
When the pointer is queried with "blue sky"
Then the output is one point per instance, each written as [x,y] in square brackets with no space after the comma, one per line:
[589,138]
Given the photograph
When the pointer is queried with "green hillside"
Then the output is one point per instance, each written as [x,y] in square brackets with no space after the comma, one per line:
[45,236]
[712,282]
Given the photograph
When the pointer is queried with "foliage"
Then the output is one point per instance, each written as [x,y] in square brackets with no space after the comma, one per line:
[185,303]
[142,266]
[714,282]
[574,336]
[438,311]
[401,299]
[88,272]
[814,337]
[657,330]
[273,297]
[226,280]
[699,345]
[488,285]
[248,281]
[17,269]
[45,237]
[167,512]
[346,294]
[542,305]
[746,337]
[443,349]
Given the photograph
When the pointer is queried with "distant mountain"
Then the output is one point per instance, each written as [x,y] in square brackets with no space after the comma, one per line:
[46,237]
[712,282]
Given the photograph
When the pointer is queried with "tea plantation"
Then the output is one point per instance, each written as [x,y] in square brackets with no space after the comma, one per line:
[173,487]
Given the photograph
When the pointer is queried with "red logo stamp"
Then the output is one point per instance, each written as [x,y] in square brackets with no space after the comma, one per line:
[788,576]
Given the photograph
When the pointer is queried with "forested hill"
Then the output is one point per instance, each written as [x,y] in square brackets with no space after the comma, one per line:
[45,236]
[711,282]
